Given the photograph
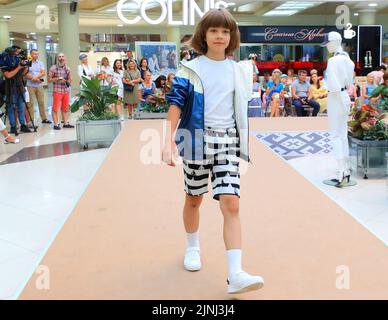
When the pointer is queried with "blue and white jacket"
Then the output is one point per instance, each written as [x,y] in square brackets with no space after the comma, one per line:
[187,93]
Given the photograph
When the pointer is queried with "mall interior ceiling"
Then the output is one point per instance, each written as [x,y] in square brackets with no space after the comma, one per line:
[99,16]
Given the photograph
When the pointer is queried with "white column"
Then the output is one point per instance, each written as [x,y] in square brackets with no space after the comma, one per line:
[367,17]
[174,35]
[68,25]
[4,34]
[41,45]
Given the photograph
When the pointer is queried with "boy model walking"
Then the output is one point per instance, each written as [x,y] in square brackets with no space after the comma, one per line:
[210,94]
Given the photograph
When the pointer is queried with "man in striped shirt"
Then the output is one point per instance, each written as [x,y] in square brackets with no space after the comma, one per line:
[60,76]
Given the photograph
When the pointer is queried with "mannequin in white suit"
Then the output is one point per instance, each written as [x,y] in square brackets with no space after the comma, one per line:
[339,77]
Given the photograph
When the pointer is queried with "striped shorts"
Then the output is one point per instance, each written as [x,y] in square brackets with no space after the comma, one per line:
[221,150]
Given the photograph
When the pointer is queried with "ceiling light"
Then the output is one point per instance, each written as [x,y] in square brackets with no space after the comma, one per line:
[356,14]
[280,12]
[291,7]
[7,17]
[120,25]
[372,4]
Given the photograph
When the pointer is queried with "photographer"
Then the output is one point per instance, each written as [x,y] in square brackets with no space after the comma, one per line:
[14,70]
[60,76]
[35,87]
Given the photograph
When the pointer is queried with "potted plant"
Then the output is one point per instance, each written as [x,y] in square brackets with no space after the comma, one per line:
[156,107]
[368,138]
[97,124]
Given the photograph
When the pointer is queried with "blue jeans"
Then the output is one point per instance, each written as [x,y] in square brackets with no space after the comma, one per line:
[300,108]
[16,103]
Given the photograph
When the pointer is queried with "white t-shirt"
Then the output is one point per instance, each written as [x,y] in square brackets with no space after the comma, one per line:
[109,72]
[218,82]
[118,81]
[85,71]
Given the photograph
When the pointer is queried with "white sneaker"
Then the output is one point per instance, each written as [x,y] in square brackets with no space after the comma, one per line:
[243,282]
[192,260]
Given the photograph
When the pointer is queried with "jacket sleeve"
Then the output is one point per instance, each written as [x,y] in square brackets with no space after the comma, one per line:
[245,79]
[179,90]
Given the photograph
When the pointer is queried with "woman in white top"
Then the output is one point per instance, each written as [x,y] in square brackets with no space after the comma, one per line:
[84,70]
[105,73]
[118,81]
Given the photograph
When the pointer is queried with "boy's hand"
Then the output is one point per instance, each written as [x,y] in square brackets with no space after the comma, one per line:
[170,154]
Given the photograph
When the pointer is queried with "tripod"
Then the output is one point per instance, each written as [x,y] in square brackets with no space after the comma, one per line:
[14,108]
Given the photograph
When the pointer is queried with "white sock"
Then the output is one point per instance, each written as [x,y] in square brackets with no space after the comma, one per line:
[192,239]
[234,261]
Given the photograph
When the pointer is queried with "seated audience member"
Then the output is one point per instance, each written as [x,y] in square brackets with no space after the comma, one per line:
[368,88]
[170,78]
[286,96]
[274,89]
[353,90]
[302,96]
[319,93]
[146,89]
[254,105]
[160,83]
[267,78]
[290,76]
[378,75]
[380,94]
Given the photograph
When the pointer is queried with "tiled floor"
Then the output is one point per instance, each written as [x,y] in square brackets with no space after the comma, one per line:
[44,135]
[41,180]
[36,199]
[38,196]
[310,154]
[367,202]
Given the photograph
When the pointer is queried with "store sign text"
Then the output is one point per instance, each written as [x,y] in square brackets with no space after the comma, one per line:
[301,35]
[189,11]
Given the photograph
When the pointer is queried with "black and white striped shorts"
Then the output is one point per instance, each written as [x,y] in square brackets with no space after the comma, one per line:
[221,150]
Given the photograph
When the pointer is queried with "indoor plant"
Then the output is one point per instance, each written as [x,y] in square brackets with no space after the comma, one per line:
[97,124]
[155,108]
[368,139]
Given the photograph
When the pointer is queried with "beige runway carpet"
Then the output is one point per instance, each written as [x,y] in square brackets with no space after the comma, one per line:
[125,238]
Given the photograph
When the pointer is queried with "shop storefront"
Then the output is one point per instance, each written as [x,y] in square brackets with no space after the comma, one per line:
[285,47]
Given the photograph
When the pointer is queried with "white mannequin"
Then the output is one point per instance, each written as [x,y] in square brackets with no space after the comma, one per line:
[339,76]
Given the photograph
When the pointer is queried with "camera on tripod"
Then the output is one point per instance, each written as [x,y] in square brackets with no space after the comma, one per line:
[12,57]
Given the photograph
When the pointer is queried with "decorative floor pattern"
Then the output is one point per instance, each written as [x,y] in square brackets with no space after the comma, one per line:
[296,144]
[310,154]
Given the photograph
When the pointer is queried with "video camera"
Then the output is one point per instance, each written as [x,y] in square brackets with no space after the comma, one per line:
[13,57]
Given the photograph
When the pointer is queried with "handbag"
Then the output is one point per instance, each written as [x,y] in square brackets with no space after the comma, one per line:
[128,87]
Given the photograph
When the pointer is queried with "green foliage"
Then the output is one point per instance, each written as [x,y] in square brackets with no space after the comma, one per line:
[382,102]
[378,132]
[155,108]
[368,123]
[156,104]
[97,99]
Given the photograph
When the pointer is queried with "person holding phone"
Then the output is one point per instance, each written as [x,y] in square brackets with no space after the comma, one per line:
[35,79]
